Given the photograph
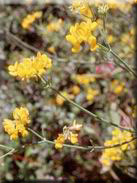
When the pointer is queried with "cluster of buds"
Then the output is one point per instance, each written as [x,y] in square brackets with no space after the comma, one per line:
[69,133]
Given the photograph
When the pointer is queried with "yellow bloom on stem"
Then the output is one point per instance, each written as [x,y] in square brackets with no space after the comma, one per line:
[31,67]
[82,32]
[29,19]
[117,153]
[10,128]
[17,126]
[21,114]
[73,138]
[68,134]
[59,141]
[92,42]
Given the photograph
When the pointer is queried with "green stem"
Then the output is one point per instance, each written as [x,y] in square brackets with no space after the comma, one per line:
[81,147]
[36,134]
[85,110]
[124,63]
[8,153]
[5,147]
[126,67]
[44,140]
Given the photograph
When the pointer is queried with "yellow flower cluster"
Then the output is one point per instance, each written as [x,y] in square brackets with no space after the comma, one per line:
[84,79]
[82,32]
[117,86]
[82,7]
[31,67]
[91,93]
[117,153]
[29,19]
[17,126]
[68,134]
[55,26]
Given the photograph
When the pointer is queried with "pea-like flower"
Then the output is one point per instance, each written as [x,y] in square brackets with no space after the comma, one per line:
[31,67]
[68,134]
[29,19]
[59,141]
[117,154]
[17,127]
[82,32]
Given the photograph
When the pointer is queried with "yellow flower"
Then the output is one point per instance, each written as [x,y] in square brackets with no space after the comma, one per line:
[59,141]
[31,68]
[21,114]
[75,90]
[84,78]
[82,32]
[117,153]
[68,133]
[82,6]
[73,138]
[29,19]
[17,126]
[91,93]
[55,25]
[117,86]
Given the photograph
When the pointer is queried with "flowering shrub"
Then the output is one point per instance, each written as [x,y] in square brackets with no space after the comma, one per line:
[91,73]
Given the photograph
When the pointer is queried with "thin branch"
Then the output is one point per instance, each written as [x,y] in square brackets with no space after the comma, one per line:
[88,148]
[85,110]
[123,62]
[91,148]
[35,133]
[5,147]
[8,153]
[20,42]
